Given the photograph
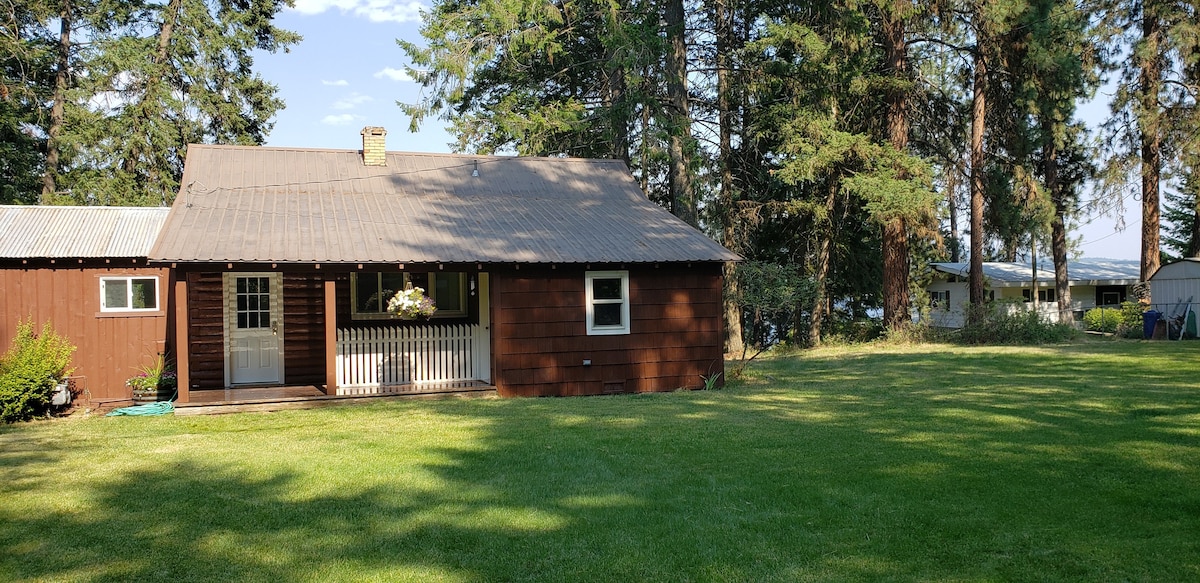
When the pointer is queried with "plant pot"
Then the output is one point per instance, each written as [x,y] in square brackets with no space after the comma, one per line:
[152,395]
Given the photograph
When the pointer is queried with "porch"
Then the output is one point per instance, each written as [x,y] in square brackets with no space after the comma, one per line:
[262,399]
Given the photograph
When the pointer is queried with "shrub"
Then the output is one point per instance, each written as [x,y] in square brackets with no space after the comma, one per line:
[1126,320]
[990,325]
[29,371]
[1102,319]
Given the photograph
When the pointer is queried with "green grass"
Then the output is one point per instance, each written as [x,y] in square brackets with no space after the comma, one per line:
[928,463]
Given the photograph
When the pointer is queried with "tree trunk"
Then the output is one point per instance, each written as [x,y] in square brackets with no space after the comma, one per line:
[57,110]
[1149,84]
[165,32]
[1058,229]
[895,231]
[733,308]
[955,244]
[821,301]
[683,196]
[1193,249]
[978,110]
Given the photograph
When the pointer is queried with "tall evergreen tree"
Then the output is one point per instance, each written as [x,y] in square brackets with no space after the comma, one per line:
[25,68]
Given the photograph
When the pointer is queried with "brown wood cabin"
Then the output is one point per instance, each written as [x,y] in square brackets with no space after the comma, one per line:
[84,271]
[551,276]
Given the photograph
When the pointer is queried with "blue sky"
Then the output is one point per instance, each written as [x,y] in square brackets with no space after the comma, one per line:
[347,73]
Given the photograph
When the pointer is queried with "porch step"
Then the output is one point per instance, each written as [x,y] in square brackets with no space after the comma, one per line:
[263,404]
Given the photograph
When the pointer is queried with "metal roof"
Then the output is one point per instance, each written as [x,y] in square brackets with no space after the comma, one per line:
[257,204]
[1088,272]
[28,232]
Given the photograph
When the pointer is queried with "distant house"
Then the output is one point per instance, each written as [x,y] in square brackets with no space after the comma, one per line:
[552,276]
[1100,282]
[84,270]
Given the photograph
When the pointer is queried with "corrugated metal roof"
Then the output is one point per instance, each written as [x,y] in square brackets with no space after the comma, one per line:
[1186,268]
[28,232]
[255,204]
[1089,272]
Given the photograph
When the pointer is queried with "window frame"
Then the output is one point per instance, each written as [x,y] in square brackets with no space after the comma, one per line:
[462,295]
[589,279]
[128,308]
[355,314]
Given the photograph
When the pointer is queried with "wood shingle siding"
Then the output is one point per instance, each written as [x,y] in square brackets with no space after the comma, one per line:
[540,340]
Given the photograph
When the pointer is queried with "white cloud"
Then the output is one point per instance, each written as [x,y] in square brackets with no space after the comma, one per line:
[351,101]
[341,120]
[338,83]
[393,74]
[373,10]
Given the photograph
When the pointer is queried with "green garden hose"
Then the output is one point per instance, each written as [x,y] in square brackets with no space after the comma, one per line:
[155,408]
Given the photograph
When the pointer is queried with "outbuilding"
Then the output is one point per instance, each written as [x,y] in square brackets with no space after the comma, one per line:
[84,270]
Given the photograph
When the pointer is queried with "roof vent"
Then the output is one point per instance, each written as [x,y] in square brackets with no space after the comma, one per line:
[374,151]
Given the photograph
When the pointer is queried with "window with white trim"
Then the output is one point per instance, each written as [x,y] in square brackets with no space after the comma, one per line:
[607,302]
[129,294]
[939,298]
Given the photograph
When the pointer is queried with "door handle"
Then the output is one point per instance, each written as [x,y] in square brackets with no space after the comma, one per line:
[275,328]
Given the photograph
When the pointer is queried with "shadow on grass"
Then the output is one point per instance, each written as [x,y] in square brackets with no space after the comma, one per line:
[980,465]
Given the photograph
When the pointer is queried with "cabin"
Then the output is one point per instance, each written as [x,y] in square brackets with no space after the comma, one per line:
[1096,282]
[84,270]
[551,276]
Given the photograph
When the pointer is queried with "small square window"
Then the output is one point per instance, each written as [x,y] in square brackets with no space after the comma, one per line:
[607,302]
[128,294]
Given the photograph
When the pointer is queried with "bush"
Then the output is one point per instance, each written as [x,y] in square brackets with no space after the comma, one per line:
[1126,320]
[29,371]
[992,326]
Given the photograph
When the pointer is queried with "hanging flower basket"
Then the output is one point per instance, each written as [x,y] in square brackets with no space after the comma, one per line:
[411,303]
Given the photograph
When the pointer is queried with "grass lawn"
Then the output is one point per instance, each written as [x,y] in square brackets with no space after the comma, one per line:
[930,463]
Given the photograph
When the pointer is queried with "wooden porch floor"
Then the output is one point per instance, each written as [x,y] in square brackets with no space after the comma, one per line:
[239,400]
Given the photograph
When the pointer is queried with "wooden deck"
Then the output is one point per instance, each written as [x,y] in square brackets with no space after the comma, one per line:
[240,400]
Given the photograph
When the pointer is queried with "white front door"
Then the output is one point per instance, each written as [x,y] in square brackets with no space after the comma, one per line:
[253,328]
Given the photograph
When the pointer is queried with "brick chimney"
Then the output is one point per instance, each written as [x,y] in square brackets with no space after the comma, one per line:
[374,146]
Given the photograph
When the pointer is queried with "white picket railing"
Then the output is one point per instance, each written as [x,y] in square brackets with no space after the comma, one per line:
[400,355]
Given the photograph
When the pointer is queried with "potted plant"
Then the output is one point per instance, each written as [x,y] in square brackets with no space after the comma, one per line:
[411,303]
[156,382]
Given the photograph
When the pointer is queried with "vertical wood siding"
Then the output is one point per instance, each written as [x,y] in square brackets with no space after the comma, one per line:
[110,348]
[540,341]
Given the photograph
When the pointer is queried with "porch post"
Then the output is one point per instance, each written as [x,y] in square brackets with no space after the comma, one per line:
[330,336]
[181,338]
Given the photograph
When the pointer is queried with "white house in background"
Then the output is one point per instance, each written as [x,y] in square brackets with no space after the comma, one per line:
[1094,282]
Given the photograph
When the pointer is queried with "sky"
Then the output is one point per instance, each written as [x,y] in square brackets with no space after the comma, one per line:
[348,73]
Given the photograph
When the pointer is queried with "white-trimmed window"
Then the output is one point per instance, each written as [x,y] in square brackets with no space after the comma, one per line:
[939,298]
[129,294]
[607,302]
